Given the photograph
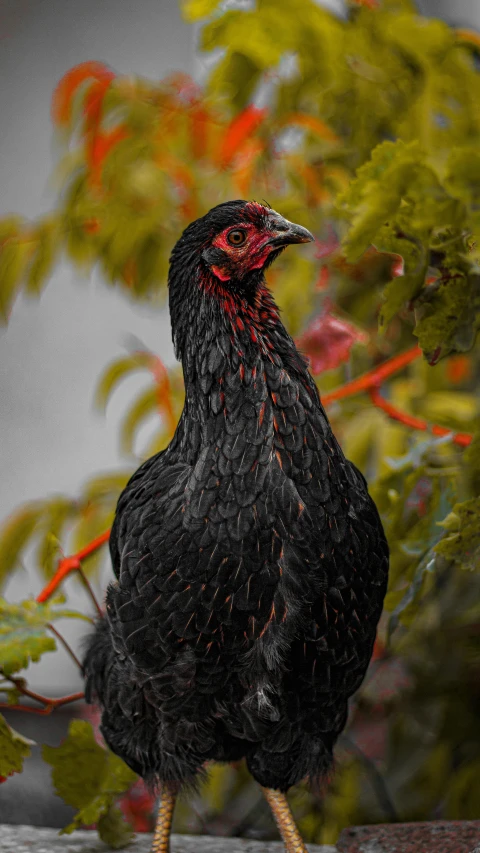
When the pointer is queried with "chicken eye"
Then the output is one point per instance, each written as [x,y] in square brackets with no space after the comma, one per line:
[237,237]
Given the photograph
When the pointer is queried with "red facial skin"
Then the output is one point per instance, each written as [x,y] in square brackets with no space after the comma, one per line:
[251,255]
[249,320]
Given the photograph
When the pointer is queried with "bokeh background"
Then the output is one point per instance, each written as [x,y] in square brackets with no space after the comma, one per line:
[53,349]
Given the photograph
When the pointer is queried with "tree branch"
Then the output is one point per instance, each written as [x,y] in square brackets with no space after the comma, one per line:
[65,645]
[90,591]
[70,564]
[374,377]
[48,702]
[461,438]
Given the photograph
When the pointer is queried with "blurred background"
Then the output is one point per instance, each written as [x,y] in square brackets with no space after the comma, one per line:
[54,348]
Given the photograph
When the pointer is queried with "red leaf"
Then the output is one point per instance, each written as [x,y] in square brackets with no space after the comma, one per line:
[240,129]
[138,807]
[66,88]
[459,368]
[323,278]
[92,108]
[398,266]
[199,120]
[370,4]
[91,226]
[324,248]
[328,340]
[101,144]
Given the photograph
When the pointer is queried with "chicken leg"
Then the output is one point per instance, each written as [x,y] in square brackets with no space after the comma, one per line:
[284,820]
[161,838]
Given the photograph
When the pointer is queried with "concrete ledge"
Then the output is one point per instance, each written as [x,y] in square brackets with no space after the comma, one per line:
[433,837]
[436,836]
[32,839]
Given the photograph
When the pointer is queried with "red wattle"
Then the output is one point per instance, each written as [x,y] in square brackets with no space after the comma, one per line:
[220,274]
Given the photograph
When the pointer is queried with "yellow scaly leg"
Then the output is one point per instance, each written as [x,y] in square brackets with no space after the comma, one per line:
[284,820]
[161,838]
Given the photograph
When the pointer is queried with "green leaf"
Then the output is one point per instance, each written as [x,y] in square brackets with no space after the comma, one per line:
[145,404]
[464,792]
[376,192]
[403,289]
[445,319]
[404,603]
[23,631]
[462,176]
[114,830]
[195,10]
[236,77]
[88,777]
[57,512]
[97,508]
[14,536]
[247,33]
[48,238]
[14,257]
[14,748]
[461,543]
[115,372]
[397,294]
[424,39]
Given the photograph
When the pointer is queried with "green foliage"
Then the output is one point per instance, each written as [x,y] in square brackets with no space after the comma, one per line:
[164,397]
[370,139]
[14,748]
[377,192]
[46,523]
[15,533]
[90,779]
[23,632]
[461,542]
[113,829]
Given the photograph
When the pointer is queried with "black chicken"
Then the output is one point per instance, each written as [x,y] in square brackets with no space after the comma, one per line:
[251,563]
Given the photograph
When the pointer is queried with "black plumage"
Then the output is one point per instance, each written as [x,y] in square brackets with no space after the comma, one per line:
[250,561]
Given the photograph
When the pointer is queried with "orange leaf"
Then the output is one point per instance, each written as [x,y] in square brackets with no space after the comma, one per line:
[129,272]
[313,187]
[370,4]
[66,88]
[92,108]
[459,367]
[323,278]
[100,145]
[245,165]
[199,121]
[468,36]
[311,123]
[239,130]
[91,226]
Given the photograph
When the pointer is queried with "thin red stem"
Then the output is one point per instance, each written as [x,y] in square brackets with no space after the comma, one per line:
[70,564]
[90,591]
[64,643]
[374,377]
[461,438]
[47,701]
[50,704]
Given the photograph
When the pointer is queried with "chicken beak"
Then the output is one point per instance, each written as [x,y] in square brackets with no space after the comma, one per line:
[285,232]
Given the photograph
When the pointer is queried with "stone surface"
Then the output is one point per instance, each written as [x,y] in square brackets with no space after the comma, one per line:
[33,839]
[438,836]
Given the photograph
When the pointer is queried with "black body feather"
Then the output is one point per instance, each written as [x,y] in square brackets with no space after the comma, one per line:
[250,561]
